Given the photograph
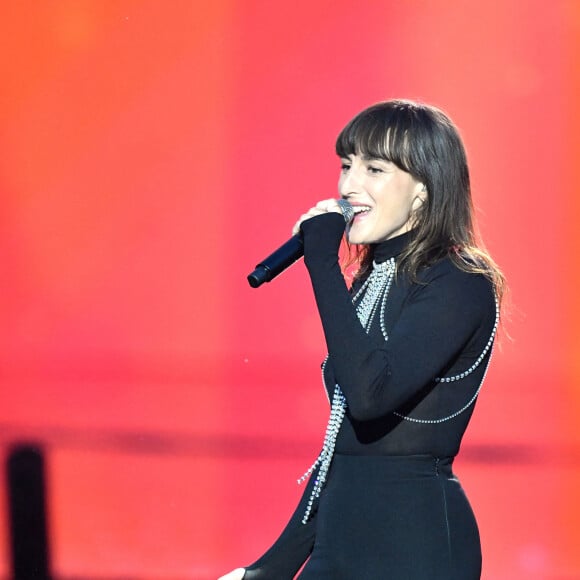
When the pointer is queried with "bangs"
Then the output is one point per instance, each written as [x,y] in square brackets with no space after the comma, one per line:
[380,132]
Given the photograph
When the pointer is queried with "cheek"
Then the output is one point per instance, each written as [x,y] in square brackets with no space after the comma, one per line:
[395,207]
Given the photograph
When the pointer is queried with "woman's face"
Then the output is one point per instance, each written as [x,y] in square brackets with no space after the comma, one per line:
[383,196]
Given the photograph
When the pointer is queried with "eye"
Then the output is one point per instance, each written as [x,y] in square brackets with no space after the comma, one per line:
[374,169]
[344,166]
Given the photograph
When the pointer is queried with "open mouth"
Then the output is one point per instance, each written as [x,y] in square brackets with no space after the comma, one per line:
[360,210]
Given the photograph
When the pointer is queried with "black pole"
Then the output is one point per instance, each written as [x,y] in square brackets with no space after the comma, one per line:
[27,511]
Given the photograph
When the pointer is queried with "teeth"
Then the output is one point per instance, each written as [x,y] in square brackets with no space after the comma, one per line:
[360,208]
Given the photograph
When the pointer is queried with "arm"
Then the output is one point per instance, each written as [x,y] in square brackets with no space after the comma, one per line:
[292,548]
[437,322]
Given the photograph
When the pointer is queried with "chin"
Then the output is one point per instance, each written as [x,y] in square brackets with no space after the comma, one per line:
[360,237]
[354,239]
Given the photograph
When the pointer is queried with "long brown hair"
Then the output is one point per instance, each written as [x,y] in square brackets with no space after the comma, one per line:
[421,140]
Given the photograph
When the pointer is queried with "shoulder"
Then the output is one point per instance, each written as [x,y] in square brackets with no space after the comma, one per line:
[446,271]
[462,290]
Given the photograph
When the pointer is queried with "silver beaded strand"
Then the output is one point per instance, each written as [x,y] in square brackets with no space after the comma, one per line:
[337,412]
[462,375]
[374,292]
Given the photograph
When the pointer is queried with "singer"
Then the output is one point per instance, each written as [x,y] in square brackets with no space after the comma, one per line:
[409,344]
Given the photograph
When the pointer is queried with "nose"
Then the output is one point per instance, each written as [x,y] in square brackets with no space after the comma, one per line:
[349,183]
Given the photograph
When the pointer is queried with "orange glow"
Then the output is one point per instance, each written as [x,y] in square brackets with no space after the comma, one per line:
[152,153]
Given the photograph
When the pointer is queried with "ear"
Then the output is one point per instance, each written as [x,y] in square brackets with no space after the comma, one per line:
[420,195]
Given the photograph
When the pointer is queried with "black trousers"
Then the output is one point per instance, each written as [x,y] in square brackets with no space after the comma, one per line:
[395,518]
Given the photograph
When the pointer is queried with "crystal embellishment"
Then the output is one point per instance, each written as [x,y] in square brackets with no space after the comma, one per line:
[324,460]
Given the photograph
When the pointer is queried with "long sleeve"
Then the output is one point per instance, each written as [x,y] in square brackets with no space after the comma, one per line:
[285,557]
[440,318]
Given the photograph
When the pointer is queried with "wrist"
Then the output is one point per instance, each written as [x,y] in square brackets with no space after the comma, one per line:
[322,235]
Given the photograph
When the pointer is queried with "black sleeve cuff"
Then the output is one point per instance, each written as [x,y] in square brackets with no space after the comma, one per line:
[322,235]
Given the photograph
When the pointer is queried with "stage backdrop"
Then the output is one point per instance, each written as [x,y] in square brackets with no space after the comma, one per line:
[151,152]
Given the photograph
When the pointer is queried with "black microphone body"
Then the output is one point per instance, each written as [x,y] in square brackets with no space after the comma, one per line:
[288,253]
[277,262]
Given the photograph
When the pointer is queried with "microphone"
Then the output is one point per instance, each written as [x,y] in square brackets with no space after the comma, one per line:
[288,253]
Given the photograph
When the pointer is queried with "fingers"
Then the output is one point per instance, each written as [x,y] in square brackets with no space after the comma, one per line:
[306,216]
[324,206]
[236,574]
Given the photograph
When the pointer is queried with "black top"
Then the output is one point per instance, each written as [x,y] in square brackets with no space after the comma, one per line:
[437,327]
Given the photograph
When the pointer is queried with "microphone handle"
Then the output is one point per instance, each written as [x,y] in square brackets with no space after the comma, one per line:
[277,262]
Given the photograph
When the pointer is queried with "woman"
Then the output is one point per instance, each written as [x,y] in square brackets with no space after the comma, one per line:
[409,345]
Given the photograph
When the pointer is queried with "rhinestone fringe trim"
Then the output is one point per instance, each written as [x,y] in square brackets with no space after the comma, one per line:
[337,412]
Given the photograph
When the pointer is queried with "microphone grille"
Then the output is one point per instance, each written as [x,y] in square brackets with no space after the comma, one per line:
[346,209]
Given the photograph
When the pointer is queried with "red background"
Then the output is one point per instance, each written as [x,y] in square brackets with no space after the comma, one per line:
[151,152]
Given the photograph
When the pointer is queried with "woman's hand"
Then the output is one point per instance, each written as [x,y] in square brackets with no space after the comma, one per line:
[324,206]
[236,574]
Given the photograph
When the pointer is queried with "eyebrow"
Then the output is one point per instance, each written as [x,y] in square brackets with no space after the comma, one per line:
[371,158]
